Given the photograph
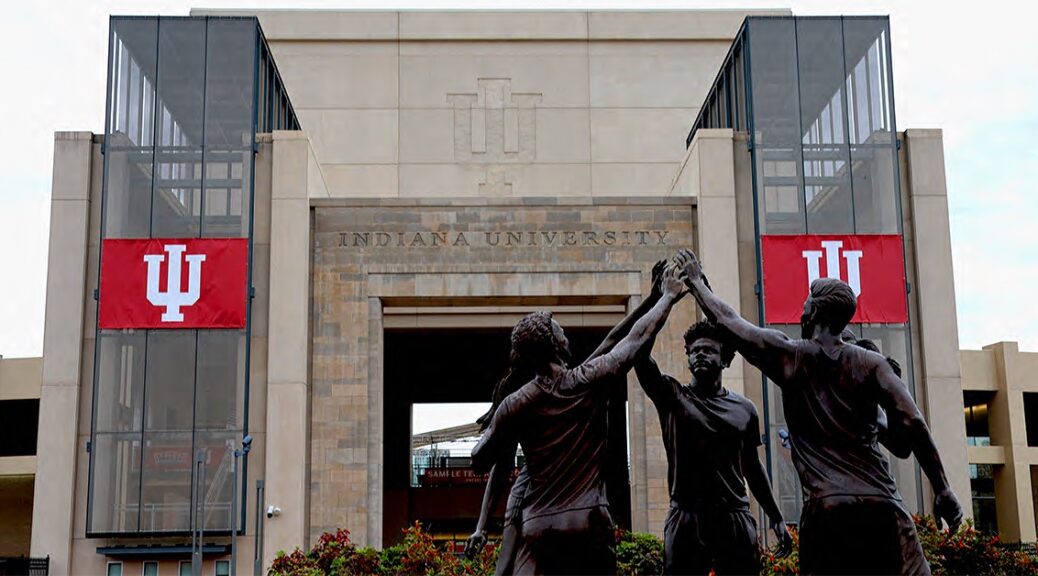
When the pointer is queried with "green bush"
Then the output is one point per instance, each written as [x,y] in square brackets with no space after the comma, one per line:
[638,554]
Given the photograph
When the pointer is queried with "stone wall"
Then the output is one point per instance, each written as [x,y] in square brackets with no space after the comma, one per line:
[468,253]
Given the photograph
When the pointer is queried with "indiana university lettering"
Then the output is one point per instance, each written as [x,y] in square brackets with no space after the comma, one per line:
[547,238]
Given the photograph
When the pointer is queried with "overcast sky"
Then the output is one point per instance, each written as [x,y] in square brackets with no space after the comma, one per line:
[969,68]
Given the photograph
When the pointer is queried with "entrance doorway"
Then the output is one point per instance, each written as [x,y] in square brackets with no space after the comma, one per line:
[436,383]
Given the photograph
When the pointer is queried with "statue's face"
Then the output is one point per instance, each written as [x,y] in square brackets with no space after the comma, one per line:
[704,359]
[561,341]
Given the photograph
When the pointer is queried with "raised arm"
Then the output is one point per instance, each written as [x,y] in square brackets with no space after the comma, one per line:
[904,415]
[624,327]
[770,351]
[622,357]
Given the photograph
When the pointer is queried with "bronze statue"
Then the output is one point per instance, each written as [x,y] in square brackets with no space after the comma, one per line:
[512,381]
[559,418]
[711,436]
[853,521]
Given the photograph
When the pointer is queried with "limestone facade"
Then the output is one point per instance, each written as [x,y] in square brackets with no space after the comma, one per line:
[453,166]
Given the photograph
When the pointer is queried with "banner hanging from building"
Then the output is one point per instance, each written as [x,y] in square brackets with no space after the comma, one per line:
[872,264]
[173,283]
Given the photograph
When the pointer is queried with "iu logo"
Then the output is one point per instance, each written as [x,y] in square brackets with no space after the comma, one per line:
[173,298]
[832,264]
[173,283]
[872,264]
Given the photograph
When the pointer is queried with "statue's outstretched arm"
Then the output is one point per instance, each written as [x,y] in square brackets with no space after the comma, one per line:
[624,327]
[771,351]
[622,357]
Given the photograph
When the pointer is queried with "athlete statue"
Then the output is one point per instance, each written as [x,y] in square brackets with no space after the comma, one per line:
[853,519]
[559,419]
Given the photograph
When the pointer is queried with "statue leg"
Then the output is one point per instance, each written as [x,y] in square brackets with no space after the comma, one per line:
[859,535]
[735,550]
[683,549]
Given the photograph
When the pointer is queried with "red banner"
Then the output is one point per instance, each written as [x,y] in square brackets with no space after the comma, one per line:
[173,283]
[873,265]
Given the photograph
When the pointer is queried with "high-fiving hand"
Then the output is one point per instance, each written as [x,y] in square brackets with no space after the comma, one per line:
[691,269]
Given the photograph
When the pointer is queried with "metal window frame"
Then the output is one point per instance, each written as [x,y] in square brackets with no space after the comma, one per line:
[259,43]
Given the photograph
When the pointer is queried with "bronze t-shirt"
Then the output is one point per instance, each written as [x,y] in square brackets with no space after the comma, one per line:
[831,406]
[705,438]
[561,426]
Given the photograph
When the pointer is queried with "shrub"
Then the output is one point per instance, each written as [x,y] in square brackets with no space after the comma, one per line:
[969,551]
[638,554]
[335,555]
[788,566]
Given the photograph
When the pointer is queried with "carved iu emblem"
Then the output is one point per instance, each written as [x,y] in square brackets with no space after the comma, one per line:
[495,128]
[832,264]
[174,298]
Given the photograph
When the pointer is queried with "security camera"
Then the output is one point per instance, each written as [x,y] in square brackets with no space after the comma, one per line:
[273,511]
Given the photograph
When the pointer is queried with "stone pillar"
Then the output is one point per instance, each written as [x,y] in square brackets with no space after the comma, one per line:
[1016,521]
[716,231]
[288,393]
[52,525]
[934,297]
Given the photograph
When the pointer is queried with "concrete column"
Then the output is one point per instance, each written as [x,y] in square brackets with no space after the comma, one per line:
[638,404]
[1013,497]
[376,332]
[717,242]
[52,528]
[934,296]
[287,425]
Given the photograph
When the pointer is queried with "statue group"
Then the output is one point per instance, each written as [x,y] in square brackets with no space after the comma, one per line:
[842,401]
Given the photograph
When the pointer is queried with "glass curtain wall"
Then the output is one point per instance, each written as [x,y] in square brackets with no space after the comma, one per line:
[183,96]
[815,95]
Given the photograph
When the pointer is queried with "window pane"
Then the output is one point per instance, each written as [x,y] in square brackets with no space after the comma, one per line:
[221,379]
[151,569]
[223,568]
[185,569]
[217,487]
[827,190]
[875,188]
[169,398]
[177,203]
[181,76]
[229,79]
[120,381]
[178,167]
[115,569]
[166,491]
[132,82]
[116,482]
[776,124]
[873,152]
[128,193]
[228,126]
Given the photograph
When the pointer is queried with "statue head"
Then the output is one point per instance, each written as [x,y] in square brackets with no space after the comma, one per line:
[708,351]
[830,307]
[538,341]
